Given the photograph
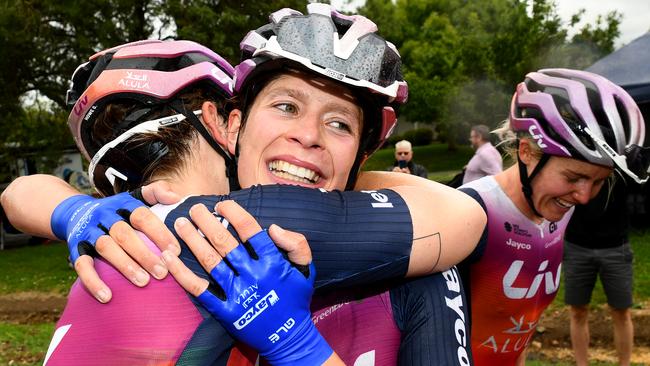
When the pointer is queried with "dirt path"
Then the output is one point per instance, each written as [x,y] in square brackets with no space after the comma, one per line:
[551,343]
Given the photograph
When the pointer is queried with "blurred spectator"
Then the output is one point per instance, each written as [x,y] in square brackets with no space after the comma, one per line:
[404,160]
[597,245]
[486,160]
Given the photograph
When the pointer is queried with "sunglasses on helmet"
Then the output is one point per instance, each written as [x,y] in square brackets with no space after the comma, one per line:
[635,163]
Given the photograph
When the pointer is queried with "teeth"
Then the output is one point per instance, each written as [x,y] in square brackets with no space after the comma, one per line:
[563,203]
[292,172]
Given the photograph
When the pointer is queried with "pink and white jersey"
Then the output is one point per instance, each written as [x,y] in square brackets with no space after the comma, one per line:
[514,280]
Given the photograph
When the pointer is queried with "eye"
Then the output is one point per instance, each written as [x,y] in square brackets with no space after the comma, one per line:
[287,107]
[340,125]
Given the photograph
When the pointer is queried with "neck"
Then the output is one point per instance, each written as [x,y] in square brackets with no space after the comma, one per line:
[509,182]
[203,173]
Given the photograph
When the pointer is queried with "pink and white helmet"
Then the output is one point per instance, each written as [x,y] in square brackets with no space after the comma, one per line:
[581,115]
[150,75]
[150,72]
[332,45]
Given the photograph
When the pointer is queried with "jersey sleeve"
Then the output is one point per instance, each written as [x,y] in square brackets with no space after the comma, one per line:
[356,238]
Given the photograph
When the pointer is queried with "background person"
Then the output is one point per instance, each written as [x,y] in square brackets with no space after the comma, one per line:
[596,245]
[404,160]
[486,159]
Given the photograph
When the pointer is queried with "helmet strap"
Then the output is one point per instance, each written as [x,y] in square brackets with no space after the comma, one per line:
[231,163]
[526,179]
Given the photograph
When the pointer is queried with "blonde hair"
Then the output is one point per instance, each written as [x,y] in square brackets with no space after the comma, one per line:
[509,140]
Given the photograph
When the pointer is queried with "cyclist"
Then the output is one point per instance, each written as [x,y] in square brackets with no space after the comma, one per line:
[341,182]
[567,130]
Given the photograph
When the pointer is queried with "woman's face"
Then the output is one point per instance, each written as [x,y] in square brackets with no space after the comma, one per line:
[300,131]
[565,182]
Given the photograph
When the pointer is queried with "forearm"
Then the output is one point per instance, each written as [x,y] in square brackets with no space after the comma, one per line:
[30,200]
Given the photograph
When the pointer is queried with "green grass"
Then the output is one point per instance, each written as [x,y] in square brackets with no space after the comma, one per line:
[24,344]
[41,268]
[435,157]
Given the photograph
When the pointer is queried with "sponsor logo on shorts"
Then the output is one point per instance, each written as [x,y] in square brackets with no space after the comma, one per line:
[456,304]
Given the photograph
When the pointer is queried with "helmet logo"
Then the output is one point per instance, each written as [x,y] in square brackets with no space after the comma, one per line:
[334,74]
[134,81]
[81,103]
[222,77]
[537,136]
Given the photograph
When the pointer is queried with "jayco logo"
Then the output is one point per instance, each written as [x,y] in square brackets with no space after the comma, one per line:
[268,300]
[537,136]
[517,245]
[551,283]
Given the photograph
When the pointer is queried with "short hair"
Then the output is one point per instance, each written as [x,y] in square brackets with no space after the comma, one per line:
[403,144]
[483,131]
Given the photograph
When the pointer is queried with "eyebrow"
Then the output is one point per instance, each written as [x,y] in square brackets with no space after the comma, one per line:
[303,96]
[579,175]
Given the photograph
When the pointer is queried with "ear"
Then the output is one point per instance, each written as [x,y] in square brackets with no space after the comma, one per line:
[214,123]
[234,125]
[526,154]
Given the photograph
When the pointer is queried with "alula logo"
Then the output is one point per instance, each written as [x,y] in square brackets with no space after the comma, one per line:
[551,281]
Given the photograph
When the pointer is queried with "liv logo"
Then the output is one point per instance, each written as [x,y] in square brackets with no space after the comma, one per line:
[79,107]
[537,136]
[551,283]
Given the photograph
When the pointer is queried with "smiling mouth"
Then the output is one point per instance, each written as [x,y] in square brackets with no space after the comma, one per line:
[564,204]
[284,170]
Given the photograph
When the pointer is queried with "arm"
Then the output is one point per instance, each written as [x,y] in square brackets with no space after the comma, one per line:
[261,298]
[30,200]
[445,220]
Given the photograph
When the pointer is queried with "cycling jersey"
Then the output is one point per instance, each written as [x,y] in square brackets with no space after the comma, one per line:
[512,278]
[356,238]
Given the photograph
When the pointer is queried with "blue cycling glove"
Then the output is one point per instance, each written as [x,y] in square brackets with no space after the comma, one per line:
[266,304]
[81,220]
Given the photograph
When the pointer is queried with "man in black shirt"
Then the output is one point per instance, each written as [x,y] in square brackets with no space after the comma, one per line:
[597,244]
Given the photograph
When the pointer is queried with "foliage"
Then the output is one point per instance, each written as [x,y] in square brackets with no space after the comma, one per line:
[434,157]
[222,24]
[462,59]
[417,137]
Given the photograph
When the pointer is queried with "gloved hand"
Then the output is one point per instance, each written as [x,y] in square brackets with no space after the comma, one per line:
[81,220]
[265,303]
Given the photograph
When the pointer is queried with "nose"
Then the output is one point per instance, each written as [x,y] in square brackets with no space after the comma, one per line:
[583,193]
[307,131]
